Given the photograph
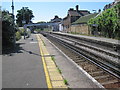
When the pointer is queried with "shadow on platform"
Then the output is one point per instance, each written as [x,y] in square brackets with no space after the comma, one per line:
[17,49]
[11,50]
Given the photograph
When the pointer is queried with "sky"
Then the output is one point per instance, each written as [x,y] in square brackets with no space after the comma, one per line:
[45,11]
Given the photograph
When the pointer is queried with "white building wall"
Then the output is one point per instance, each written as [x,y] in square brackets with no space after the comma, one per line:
[60,27]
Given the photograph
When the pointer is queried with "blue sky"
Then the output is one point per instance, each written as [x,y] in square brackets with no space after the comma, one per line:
[44,11]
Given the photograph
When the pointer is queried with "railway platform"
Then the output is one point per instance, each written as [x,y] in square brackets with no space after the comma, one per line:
[101,39]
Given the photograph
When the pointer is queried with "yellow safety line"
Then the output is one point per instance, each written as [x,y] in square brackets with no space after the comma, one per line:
[53,78]
[44,65]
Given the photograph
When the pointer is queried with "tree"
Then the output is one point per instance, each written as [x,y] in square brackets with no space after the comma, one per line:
[117,23]
[108,22]
[7,29]
[24,14]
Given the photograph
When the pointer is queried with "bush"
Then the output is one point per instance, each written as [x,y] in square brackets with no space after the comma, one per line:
[18,35]
[108,23]
[37,30]
[7,30]
[21,31]
[27,33]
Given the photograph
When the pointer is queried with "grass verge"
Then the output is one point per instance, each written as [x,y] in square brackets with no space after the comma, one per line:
[43,43]
[53,58]
[59,70]
[65,82]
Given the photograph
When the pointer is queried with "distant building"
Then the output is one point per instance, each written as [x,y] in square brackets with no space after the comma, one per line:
[61,26]
[56,19]
[72,16]
[111,4]
[80,26]
[117,1]
[56,22]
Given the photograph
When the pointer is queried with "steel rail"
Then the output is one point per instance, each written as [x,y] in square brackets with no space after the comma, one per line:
[91,59]
[92,47]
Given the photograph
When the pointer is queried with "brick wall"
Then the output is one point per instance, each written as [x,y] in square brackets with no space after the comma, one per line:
[80,28]
[66,24]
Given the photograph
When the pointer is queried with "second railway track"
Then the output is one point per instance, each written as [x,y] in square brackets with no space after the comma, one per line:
[101,69]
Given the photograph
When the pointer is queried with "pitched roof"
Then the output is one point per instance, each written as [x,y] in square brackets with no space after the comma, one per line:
[85,19]
[73,13]
[56,19]
[78,13]
[84,12]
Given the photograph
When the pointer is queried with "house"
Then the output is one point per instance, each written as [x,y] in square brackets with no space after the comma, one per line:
[110,5]
[72,16]
[116,1]
[56,21]
[80,26]
[61,26]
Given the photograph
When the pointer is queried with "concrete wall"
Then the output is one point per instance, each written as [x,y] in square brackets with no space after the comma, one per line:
[80,28]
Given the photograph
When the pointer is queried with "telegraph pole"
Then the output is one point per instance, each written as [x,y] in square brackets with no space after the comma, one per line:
[14,38]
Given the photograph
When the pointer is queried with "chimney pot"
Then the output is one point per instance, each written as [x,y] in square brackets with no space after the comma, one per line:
[71,9]
[77,7]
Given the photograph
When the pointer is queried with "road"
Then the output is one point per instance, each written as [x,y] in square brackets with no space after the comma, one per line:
[22,68]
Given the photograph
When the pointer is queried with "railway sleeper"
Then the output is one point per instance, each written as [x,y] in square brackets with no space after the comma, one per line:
[97,73]
[91,69]
[79,61]
[112,84]
[104,78]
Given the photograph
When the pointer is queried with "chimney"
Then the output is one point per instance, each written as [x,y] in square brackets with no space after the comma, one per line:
[77,7]
[71,9]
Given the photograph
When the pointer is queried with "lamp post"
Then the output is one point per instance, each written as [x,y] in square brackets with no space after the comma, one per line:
[14,38]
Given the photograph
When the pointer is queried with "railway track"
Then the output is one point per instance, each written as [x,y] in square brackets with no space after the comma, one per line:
[104,44]
[104,70]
